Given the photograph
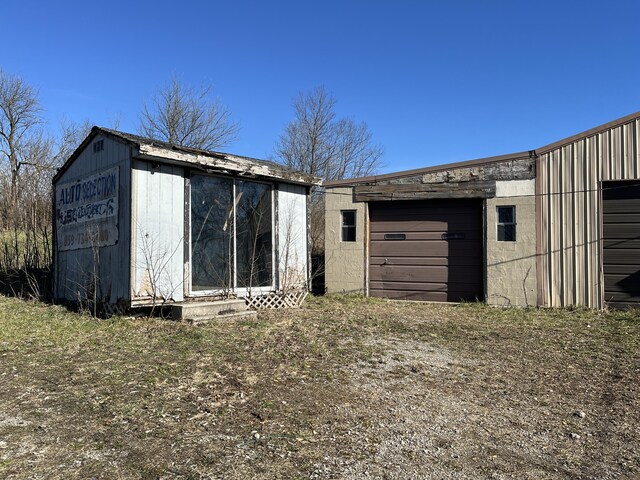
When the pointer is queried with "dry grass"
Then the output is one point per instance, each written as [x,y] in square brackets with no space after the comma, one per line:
[346,387]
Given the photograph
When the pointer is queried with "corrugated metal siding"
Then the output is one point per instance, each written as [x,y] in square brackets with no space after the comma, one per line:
[292,235]
[158,223]
[74,268]
[569,212]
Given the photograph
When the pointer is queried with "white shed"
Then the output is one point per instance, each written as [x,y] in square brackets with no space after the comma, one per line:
[138,221]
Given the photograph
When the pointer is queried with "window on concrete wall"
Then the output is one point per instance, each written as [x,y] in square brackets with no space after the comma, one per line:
[348,225]
[506,224]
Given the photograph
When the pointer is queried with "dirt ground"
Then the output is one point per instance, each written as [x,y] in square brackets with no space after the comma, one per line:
[346,387]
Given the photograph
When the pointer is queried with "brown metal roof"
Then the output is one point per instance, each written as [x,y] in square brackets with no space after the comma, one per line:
[435,168]
[483,161]
[588,133]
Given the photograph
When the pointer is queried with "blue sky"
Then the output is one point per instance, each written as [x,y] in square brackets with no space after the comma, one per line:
[436,81]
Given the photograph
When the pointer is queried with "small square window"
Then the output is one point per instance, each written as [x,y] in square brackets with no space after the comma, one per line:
[506,224]
[98,146]
[348,225]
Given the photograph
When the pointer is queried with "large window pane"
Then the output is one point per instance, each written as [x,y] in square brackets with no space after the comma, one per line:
[254,235]
[211,233]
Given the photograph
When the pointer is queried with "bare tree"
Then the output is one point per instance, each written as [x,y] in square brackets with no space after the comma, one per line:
[29,155]
[181,115]
[318,143]
[20,114]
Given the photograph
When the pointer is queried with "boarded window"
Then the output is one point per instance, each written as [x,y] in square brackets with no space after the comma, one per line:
[348,225]
[506,224]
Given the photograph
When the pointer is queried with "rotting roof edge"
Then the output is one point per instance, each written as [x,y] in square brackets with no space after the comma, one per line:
[138,141]
[431,169]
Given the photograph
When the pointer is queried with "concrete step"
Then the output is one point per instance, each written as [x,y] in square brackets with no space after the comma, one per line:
[191,311]
[247,314]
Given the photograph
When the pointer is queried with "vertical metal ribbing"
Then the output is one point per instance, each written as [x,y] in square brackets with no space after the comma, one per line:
[561,244]
[549,249]
[595,230]
[585,225]
[572,223]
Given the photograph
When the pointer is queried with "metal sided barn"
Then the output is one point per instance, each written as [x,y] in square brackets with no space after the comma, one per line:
[139,222]
[555,226]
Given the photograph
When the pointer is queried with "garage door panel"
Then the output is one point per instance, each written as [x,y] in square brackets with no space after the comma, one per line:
[440,248]
[417,273]
[411,295]
[615,296]
[622,231]
[463,289]
[436,210]
[620,269]
[621,243]
[462,223]
[620,248]
[442,295]
[622,217]
[458,261]
[426,235]
[441,257]
[616,206]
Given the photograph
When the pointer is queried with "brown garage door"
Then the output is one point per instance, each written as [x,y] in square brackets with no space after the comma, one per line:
[621,243]
[426,250]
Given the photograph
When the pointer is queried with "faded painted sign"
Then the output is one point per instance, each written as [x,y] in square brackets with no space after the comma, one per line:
[87,211]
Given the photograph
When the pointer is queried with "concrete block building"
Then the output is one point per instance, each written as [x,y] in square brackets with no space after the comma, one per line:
[552,226]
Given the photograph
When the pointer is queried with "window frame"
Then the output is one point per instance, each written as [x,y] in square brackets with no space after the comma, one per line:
[240,291]
[348,228]
[512,224]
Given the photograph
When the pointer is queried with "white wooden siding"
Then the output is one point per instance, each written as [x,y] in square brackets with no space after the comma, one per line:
[75,271]
[292,236]
[158,226]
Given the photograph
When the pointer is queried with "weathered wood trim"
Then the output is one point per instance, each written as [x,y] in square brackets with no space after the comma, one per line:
[477,189]
[434,169]
[186,262]
[275,205]
[226,164]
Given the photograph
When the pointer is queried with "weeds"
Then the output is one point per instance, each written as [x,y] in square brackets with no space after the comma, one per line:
[278,396]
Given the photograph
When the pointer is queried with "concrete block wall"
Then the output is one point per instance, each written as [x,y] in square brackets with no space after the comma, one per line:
[511,266]
[344,261]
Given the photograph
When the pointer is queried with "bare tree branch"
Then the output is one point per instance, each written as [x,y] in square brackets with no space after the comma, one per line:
[180,115]
[20,113]
[318,143]
[29,155]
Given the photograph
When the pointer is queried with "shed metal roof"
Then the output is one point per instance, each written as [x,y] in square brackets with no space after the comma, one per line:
[148,148]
